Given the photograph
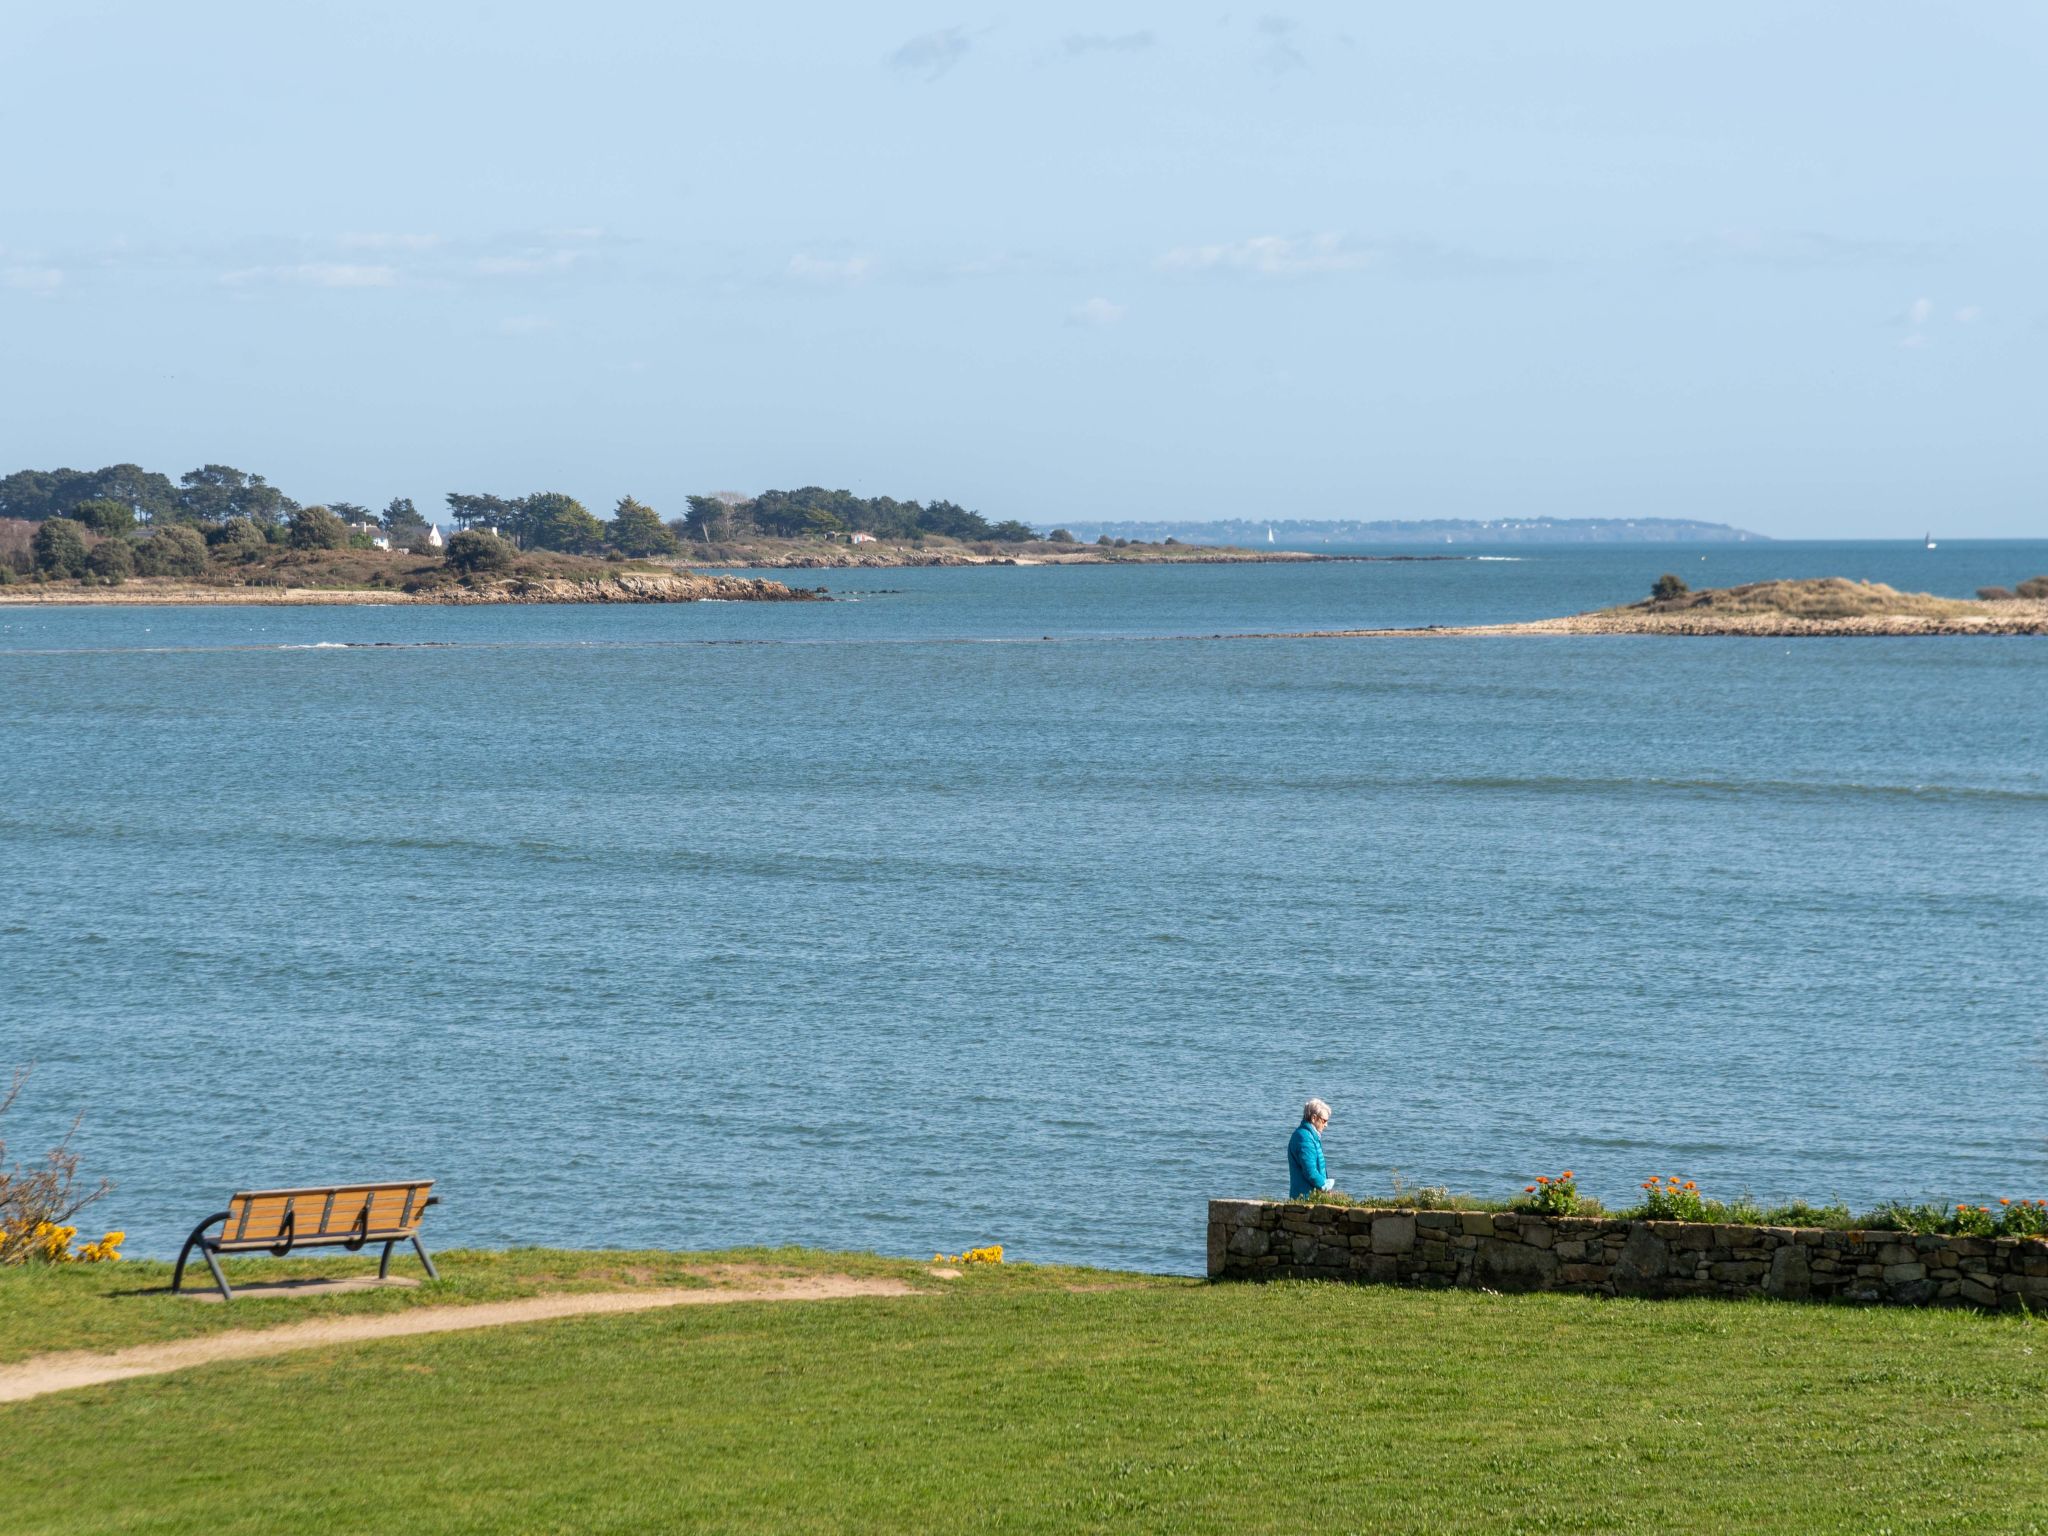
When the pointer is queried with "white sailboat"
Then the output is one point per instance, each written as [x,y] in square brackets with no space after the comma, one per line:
[1269,535]
[1930,541]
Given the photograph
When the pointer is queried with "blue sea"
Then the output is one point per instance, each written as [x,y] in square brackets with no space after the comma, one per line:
[1007,905]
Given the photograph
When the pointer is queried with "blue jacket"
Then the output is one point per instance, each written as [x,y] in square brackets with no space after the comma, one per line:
[1305,1171]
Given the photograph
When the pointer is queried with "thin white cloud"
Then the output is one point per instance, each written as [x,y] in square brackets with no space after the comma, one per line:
[1797,249]
[1274,256]
[931,54]
[1096,312]
[1969,314]
[373,240]
[526,263]
[32,279]
[829,270]
[317,274]
[1077,45]
[1921,312]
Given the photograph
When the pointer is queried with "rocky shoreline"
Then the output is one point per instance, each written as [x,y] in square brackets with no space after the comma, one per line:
[629,587]
[1828,606]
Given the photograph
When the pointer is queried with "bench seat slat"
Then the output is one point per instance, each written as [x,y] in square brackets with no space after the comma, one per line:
[256,1218]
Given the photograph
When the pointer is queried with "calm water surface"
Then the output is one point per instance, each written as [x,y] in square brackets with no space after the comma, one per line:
[858,935]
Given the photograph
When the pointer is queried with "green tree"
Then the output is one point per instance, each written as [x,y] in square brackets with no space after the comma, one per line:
[1668,586]
[353,513]
[637,529]
[401,516]
[318,528]
[172,550]
[1104,539]
[110,562]
[59,547]
[715,518]
[144,492]
[1061,536]
[1012,532]
[551,520]
[481,511]
[213,493]
[105,516]
[475,552]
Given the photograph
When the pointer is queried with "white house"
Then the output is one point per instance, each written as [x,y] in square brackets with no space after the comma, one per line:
[861,538]
[434,539]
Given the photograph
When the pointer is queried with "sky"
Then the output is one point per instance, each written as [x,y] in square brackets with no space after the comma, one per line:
[1774,264]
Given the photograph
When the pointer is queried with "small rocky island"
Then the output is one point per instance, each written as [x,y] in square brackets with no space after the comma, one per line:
[1829,605]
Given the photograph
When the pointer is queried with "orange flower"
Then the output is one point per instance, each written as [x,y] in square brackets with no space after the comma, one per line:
[1528,1189]
[1542,1178]
[1960,1206]
[1985,1209]
[2003,1201]
[1566,1174]
[1690,1185]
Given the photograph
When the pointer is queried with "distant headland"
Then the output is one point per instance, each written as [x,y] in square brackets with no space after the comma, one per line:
[1298,533]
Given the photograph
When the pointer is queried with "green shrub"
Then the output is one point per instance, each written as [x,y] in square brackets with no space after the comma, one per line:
[107,518]
[1800,1214]
[1975,1221]
[1667,1199]
[2023,1218]
[59,547]
[1668,586]
[475,552]
[1551,1196]
[1897,1216]
[318,528]
[171,550]
[110,563]
[1060,536]
[2033,586]
[236,536]
[1995,594]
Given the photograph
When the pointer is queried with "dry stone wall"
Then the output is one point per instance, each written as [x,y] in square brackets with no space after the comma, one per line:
[1509,1251]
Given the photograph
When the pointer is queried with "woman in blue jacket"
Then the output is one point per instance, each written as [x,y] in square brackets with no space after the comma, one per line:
[1305,1171]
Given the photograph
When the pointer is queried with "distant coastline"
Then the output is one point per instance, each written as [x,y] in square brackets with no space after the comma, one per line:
[1299,532]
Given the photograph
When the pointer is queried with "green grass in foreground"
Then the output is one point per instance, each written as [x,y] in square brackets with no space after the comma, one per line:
[45,1308]
[1013,1401]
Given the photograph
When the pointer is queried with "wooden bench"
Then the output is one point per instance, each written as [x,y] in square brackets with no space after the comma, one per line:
[350,1216]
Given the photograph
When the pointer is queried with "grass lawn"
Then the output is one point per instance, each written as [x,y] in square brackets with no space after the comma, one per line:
[1045,1400]
[44,1309]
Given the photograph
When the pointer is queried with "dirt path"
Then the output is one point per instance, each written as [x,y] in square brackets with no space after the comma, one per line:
[60,1373]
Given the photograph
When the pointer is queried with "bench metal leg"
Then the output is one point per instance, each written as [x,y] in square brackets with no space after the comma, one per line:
[421,1249]
[219,1279]
[194,1241]
[384,1263]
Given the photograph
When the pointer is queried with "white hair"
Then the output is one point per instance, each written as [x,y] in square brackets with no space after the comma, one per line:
[1315,1109]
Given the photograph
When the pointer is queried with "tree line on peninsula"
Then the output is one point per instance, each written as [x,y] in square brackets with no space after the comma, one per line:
[120,498]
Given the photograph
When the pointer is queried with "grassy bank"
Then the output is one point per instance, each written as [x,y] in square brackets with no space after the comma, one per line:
[1043,1400]
[45,1309]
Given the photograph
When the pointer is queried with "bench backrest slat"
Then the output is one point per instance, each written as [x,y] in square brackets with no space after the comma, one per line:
[326,1213]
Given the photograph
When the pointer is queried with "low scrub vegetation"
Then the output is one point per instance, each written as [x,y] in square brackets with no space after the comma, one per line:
[1670,1198]
[38,1203]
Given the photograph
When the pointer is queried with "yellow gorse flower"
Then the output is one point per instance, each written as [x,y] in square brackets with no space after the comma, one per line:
[991,1254]
[48,1242]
